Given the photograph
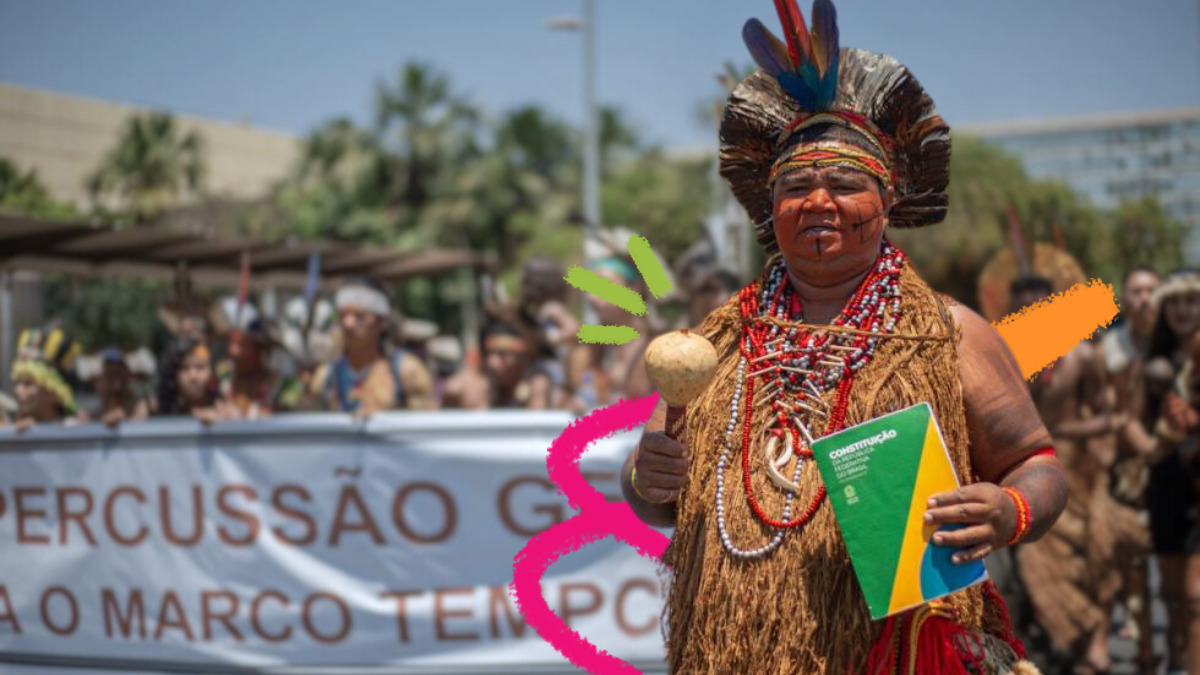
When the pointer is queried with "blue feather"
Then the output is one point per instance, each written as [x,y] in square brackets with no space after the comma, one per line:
[313,282]
[796,86]
[768,51]
[825,51]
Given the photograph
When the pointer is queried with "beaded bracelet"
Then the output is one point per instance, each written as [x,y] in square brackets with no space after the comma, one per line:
[1024,515]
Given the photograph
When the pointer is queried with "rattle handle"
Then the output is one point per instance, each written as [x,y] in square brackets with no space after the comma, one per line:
[676,422]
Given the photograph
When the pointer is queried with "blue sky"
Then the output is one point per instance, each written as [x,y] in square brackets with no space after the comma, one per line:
[290,64]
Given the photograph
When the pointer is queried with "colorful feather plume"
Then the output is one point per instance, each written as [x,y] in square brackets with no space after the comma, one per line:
[806,67]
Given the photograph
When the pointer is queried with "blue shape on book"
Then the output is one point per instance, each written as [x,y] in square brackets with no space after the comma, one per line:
[939,575]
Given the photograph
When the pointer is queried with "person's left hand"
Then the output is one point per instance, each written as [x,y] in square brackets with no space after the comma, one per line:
[986,513]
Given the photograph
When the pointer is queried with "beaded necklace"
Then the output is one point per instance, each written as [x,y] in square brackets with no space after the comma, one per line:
[792,367]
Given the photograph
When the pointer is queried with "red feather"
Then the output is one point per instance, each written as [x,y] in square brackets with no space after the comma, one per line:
[1060,240]
[795,31]
[1017,236]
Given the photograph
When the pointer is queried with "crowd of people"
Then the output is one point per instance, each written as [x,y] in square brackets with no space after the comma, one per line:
[356,354]
[1123,412]
[1123,409]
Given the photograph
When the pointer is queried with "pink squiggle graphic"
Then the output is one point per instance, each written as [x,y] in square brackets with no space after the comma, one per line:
[597,519]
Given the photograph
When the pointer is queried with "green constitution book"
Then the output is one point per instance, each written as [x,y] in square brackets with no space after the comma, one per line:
[880,475]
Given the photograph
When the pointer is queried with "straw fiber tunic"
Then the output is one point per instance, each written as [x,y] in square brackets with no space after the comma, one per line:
[800,610]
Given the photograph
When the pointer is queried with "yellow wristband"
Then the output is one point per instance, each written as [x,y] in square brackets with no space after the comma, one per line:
[633,484]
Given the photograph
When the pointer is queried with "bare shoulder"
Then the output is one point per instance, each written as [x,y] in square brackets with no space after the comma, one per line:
[1002,420]
[979,340]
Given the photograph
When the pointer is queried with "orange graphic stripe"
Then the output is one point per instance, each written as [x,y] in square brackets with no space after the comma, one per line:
[1042,333]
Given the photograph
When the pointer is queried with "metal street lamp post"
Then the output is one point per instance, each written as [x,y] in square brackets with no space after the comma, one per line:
[591,130]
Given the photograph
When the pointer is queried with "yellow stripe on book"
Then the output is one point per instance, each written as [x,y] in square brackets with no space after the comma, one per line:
[934,475]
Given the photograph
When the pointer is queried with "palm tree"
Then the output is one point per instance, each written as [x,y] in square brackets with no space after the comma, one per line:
[429,128]
[335,152]
[153,165]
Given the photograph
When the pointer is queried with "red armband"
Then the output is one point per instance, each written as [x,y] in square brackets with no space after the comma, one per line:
[1047,451]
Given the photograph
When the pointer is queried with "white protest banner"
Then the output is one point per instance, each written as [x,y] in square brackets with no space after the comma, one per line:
[301,544]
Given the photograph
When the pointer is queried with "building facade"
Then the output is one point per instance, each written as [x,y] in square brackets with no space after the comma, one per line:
[63,137]
[1115,158]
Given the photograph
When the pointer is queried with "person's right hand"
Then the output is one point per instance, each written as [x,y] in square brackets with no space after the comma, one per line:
[661,466]
[23,424]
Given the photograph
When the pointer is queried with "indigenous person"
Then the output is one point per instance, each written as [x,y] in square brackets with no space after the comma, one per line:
[1070,573]
[113,382]
[837,330]
[252,389]
[600,374]
[1164,432]
[1124,349]
[512,375]
[40,384]
[369,378]
[187,384]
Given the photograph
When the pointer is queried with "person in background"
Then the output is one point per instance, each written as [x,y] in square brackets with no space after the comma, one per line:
[1070,573]
[369,377]
[712,288]
[446,359]
[40,383]
[187,383]
[1162,430]
[111,376]
[512,376]
[600,374]
[252,389]
[1123,350]
[543,305]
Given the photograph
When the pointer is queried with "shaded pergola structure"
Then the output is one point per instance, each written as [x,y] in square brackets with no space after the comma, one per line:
[97,250]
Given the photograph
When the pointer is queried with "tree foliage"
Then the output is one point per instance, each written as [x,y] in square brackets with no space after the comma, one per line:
[23,192]
[430,169]
[153,165]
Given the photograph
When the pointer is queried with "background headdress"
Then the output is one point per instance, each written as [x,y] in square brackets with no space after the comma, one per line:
[811,75]
[48,357]
[1022,259]
[54,346]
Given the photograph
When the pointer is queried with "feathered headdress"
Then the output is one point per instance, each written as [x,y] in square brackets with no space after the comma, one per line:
[807,79]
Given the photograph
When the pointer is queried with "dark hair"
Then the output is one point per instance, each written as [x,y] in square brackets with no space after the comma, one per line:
[1031,284]
[170,402]
[499,325]
[543,279]
[1163,342]
[1134,270]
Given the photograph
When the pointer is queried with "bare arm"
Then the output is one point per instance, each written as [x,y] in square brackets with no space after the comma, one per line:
[1005,432]
[418,384]
[1083,372]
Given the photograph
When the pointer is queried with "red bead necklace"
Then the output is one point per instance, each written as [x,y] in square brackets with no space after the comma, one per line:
[867,310]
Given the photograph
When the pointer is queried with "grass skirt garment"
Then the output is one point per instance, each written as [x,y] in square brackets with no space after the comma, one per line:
[1071,574]
[800,610]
